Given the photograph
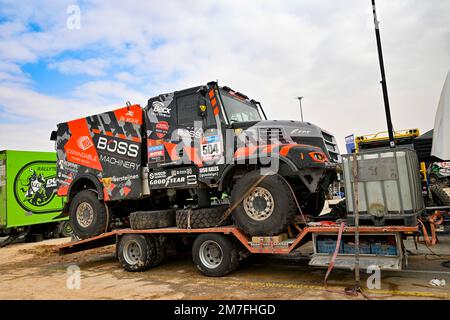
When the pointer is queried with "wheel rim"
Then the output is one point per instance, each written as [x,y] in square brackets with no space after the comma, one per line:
[132,252]
[259,205]
[211,254]
[85,214]
[67,229]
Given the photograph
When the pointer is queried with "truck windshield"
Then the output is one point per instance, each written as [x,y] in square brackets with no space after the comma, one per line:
[238,110]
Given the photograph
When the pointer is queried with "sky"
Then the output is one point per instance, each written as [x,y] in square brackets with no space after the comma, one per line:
[55,67]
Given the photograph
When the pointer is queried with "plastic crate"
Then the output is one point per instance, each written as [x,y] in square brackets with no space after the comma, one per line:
[364,248]
[383,249]
[328,246]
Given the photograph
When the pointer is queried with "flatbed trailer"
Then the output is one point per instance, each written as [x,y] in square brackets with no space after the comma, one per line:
[218,251]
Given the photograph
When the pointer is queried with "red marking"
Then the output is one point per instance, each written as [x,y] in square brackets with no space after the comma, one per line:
[213,102]
[131,114]
[170,147]
[245,151]
[216,111]
[285,150]
[109,133]
[211,93]
[122,136]
[126,190]
[63,190]
[193,155]
[73,148]
[96,131]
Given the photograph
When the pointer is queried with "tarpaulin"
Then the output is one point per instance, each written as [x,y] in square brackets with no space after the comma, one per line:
[441,135]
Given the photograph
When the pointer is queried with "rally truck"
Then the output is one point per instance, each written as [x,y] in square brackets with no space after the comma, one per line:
[188,157]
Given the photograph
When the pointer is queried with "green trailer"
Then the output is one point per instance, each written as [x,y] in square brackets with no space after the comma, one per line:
[28,201]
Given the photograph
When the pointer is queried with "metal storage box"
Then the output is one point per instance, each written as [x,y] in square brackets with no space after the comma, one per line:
[389,187]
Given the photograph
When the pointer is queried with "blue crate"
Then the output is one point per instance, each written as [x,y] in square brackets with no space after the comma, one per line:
[328,246]
[364,248]
[383,249]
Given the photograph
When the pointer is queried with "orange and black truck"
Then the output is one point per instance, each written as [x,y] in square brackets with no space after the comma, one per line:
[199,150]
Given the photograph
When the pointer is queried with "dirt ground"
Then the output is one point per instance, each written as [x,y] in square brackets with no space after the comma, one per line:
[36,271]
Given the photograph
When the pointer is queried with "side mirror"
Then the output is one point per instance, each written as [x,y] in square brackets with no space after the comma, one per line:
[53,135]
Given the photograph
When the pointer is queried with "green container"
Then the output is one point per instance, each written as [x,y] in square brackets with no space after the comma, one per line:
[28,189]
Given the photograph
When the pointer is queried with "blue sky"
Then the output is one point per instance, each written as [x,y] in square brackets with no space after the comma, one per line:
[272,51]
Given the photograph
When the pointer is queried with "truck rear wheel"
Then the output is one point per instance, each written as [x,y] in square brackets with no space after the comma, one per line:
[268,210]
[136,252]
[215,255]
[88,215]
[152,219]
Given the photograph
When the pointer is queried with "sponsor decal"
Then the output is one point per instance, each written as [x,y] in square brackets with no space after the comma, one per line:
[172,178]
[35,188]
[209,172]
[162,128]
[300,132]
[122,148]
[160,109]
[156,153]
[84,143]
[210,148]
[119,162]
[190,133]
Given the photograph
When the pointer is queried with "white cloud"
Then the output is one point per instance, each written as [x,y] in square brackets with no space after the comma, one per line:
[91,67]
[273,51]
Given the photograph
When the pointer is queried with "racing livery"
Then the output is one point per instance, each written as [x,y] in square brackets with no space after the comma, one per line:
[200,140]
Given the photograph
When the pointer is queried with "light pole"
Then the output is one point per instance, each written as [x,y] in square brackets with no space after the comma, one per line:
[301,110]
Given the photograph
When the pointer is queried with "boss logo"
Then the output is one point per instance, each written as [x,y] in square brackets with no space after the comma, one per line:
[122,147]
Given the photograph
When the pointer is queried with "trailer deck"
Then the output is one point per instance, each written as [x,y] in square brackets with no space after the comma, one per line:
[284,247]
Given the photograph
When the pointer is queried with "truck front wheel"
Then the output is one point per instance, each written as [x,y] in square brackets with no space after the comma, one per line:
[88,215]
[268,210]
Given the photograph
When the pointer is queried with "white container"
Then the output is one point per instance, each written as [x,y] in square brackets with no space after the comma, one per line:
[389,185]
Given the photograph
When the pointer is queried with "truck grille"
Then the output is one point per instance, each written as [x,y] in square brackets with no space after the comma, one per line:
[271,136]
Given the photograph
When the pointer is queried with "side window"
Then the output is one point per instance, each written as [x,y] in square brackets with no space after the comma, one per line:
[188,110]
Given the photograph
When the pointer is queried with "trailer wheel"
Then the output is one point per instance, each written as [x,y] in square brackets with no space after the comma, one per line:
[215,255]
[152,219]
[137,252]
[268,210]
[441,195]
[87,215]
[202,217]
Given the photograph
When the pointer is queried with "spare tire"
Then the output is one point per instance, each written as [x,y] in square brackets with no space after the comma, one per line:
[202,217]
[152,219]
[441,195]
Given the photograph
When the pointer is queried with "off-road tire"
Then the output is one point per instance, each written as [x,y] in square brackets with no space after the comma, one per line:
[140,220]
[98,225]
[151,252]
[229,252]
[440,196]
[160,249]
[146,252]
[202,217]
[282,215]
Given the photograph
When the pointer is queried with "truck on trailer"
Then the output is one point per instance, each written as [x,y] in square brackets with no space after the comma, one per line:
[167,163]
[28,201]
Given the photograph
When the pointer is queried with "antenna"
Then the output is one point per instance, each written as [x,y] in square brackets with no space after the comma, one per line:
[383,78]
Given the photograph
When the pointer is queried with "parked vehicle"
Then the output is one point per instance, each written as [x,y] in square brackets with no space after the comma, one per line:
[28,201]
[438,172]
[165,162]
